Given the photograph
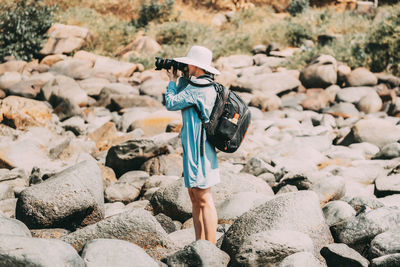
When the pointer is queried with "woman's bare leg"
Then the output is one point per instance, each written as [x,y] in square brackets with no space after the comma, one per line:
[203,202]
[197,217]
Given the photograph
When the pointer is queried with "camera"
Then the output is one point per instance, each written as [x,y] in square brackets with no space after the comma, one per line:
[168,64]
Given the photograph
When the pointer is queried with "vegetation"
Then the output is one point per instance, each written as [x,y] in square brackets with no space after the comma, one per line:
[23,27]
[370,40]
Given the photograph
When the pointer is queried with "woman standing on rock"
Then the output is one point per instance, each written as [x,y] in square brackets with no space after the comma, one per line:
[200,163]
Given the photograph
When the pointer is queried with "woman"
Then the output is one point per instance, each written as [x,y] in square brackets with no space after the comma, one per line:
[200,164]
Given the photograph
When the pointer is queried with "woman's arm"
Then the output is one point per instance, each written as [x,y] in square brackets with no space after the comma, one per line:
[177,101]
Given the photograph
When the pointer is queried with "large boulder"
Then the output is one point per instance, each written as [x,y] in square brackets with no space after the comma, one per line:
[299,211]
[353,94]
[173,200]
[198,253]
[320,73]
[301,259]
[361,77]
[111,69]
[136,226]
[387,185]
[385,244]
[65,39]
[379,132]
[9,226]
[27,251]
[271,247]
[392,260]
[73,68]
[342,255]
[111,252]
[22,113]
[69,199]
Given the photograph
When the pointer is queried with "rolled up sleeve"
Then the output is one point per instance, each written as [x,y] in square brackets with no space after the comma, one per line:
[177,101]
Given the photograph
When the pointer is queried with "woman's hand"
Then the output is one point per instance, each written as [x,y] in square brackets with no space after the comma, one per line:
[172,75]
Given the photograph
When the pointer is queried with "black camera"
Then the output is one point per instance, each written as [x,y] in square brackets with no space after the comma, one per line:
[168,64]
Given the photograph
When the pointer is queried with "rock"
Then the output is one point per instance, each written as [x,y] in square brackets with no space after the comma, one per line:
[271,247]
[8,79]
[22,113]
[358,231]
[198,254]
[6,191]
[154,87]
[71,198]
[361,77]
[84,55]
[131,154]
[239,203]
[107,67]
[93,86]
[268,83]
[316,99]
[13,227]
[142,45]
[337,211]
[343,109]
[329,188]
[391,200]
[387,185]
[73,68]
[342,255]
[136,226]
[27,251]
[379,132]
[166,222]
[113,208]
[65,89]
[173,200]
[389,151]
[392,260]
[7,207]
[385,244]
[127,188]
[234,61]
[157,181]
[110,252]
[284,212]
[170,165]
[75,124]
[12,66]
[354,94]
[370,103]
[320,73]
[54,233]
[301,259]
[65,39]
[52,59]
[264,60]
[266,103]
[257,166]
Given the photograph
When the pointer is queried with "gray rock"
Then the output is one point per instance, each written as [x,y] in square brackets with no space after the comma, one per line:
[13,227]
[268,83]
[8,79]
[385,244]
[284,212]
[93,86]
[337,211]
[357,232]
[53,233]
[75,124]
[136,226]
[389,151]
[257,166]
[320,73]
[131,154]
[6,191]
[342,255]
[353,94]
[27,251]
[71,198]
[301,259]
[361,77]
[239,203]
[392,260]
[111,252]
[169,165]
[173,200]
[329,188]
[379,132]
[166,222]
[159,181]
[235,61]
[7,207]
[127,188]
[112,209]
[75,68]
[343,109]
[391,200]
[271,247]
[370,103]
[198,253]
[154,88]
[387,185]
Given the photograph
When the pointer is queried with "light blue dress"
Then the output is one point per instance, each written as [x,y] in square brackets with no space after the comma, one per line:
[199,171]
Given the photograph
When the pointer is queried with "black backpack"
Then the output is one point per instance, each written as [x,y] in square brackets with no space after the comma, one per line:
[229,119]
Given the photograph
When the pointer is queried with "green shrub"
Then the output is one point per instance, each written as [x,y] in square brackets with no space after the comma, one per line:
[297,33]
[23,27]
[181,33]
[298,6]
[154,11]
[383,43]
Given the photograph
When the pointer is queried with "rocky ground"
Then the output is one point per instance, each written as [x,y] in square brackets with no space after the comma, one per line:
[90,167]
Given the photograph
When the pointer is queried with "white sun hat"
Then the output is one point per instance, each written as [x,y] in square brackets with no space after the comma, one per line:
[199,56]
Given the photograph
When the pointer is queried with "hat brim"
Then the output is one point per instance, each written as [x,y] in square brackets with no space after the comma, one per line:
[190,61]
